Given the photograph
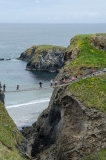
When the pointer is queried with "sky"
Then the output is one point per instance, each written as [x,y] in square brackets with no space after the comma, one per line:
[52,11]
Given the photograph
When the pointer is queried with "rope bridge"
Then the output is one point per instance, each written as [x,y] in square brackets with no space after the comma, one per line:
[32,89]
[58,84]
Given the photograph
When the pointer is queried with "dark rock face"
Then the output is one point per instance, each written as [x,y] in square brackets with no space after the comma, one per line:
[66,130]
[72,54]
[2,96]
[99,41]
[48,61]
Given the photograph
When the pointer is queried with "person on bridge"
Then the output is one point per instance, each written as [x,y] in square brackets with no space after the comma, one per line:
[40,83]
[4,86]
[51,82]
[73,78]
[17,87]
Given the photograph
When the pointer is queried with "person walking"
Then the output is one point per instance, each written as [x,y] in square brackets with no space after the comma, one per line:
[40,83]
[51,82]
[4,86]
[17,87]
[73,78]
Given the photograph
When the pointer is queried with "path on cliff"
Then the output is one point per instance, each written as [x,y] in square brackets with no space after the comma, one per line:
[73,80]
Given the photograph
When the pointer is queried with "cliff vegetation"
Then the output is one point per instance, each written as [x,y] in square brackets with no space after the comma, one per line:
[88,56]
[10,137]
[91,92]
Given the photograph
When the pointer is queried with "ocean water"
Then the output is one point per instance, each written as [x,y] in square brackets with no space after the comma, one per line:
[24,107]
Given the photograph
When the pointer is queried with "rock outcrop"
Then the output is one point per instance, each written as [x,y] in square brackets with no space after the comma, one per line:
[72,50]
[44,57]
[66,130]
[99,41]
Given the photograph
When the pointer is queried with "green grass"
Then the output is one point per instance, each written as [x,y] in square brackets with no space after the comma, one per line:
[88,57]
[10,137]
[101,155]
[91,92]
[47,47]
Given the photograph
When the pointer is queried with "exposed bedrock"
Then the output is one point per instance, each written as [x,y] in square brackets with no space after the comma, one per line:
[66,130]
[47,61]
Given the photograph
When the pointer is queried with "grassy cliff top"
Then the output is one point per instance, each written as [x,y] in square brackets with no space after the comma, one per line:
[10,137]
[91,92]
[45,47]
[88,56]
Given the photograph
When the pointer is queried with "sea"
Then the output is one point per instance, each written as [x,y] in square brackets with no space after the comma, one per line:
[25,106]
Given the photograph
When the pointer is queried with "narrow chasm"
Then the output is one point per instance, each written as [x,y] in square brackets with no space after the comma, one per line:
[47,133]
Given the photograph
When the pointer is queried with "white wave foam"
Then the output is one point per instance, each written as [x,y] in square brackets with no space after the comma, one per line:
[14,60]
[29,103]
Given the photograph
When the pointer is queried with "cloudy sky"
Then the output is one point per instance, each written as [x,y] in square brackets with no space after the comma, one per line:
[52,11]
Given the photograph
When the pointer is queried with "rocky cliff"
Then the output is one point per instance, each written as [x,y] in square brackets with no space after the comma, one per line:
[66,130]
[74,124]
[44,57]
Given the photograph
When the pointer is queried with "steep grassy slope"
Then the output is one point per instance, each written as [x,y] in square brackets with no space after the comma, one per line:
[88,56]
[10,138]
[91,92]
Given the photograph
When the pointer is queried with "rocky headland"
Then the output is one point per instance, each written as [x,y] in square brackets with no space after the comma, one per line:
[44,57]
[73,127]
